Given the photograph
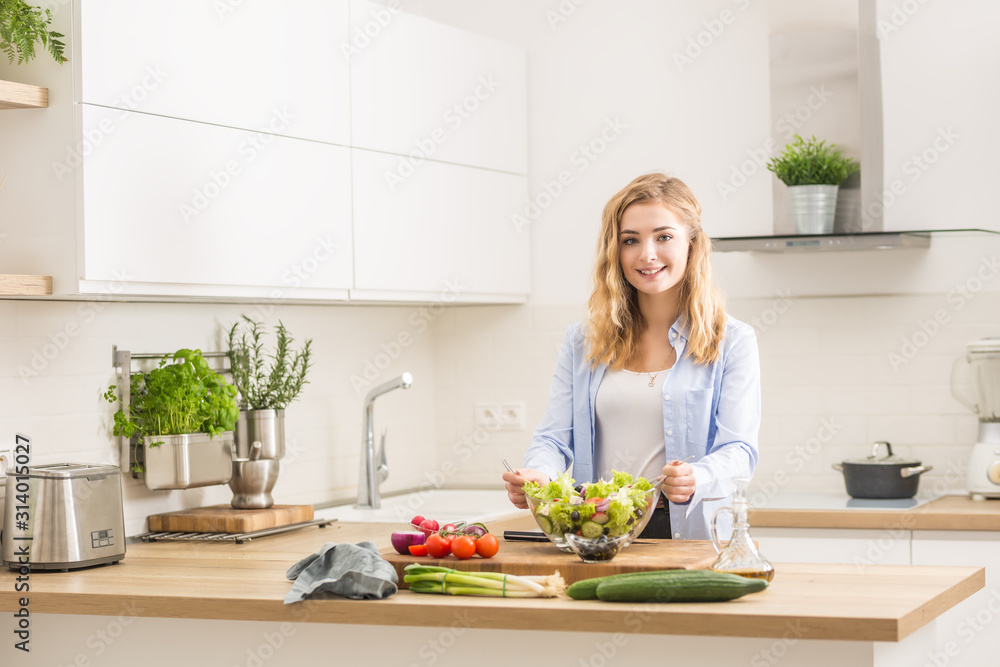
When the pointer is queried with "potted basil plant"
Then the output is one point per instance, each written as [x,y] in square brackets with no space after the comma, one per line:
[182,416]
[813,171]
[267,381]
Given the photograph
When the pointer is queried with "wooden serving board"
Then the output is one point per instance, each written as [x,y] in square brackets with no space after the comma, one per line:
[535,558]
[225,519]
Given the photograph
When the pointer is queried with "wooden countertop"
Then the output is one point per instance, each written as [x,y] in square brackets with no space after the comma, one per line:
[947,513]
[247,582]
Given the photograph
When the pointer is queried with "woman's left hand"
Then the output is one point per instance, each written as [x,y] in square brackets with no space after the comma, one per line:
[678,486]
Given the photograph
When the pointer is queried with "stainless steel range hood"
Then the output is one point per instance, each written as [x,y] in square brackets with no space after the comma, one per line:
[830,242]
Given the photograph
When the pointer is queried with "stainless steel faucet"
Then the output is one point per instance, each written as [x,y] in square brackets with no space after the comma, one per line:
[368,485]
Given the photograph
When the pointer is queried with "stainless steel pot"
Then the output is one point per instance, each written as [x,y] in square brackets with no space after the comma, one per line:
[875,476]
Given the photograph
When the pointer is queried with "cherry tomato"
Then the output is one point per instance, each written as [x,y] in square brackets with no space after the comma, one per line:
[418,549]
[487,545]
[463,547]
[597,500]
[437,546]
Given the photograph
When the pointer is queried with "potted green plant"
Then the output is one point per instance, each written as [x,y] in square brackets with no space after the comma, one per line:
[22,26]
[813,171]
[182,416]
[267,382]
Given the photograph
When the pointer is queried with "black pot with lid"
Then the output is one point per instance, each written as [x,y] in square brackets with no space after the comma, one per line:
[888,476]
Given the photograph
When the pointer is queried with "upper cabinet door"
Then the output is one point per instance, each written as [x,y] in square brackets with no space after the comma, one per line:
[445,234]
[236,64]
[939,114]
[422,89]
[177,207]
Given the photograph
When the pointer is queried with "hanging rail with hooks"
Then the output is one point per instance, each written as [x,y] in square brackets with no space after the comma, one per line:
[121,360]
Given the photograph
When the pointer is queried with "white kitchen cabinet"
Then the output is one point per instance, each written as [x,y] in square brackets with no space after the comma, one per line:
[170,205]
[428,90]
[860,547]
[444,234]
[968,634]
[236,64]
[939,118]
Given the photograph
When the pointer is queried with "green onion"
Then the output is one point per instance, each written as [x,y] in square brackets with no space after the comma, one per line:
[446,581]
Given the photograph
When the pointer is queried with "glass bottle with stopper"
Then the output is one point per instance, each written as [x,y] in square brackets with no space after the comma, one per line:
[740,556]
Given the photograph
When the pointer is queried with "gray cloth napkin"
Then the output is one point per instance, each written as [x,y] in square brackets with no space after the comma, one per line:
[352,570]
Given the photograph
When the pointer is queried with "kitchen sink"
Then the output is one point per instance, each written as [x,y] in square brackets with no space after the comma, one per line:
[444,505]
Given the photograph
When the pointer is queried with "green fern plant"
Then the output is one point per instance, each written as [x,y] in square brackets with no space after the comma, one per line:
[22,26]
[811,162]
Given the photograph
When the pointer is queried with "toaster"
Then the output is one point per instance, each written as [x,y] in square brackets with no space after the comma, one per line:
[63,516]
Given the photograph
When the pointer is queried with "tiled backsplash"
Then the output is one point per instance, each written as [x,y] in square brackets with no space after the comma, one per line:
[837,373]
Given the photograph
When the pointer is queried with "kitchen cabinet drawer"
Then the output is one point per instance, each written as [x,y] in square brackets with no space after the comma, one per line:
[817,545]
[968,637]
[445,232]
[177,207]
[428,90]
[228,63]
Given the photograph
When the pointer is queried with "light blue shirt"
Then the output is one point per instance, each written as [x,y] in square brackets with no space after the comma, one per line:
[710,412]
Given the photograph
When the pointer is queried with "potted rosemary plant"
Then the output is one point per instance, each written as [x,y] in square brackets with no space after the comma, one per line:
[813,171]
[182,415]
[267,382]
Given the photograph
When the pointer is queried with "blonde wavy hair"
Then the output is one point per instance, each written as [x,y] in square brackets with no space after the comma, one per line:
[614,322]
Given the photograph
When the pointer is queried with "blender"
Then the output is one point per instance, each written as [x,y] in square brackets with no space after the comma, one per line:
[983,361]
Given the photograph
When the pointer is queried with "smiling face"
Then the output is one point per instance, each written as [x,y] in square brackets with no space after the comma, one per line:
[653,247]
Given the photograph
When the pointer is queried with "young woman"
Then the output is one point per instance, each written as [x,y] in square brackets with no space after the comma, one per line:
[657,374]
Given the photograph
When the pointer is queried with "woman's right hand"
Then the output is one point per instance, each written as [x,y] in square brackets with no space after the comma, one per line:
[515,480]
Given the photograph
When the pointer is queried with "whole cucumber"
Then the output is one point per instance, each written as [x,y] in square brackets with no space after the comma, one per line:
[586,589]
[680,586]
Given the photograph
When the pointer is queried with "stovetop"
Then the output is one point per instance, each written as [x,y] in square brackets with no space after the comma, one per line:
[837,501]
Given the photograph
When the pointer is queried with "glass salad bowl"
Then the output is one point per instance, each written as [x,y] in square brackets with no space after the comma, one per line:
[618,516]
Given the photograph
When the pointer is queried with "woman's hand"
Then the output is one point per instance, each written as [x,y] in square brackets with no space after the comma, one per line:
[678,486]
[515,480]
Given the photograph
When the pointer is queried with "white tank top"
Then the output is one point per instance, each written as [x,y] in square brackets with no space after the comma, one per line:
[629,425]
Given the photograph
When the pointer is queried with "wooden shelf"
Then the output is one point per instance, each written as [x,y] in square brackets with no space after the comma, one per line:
[25,285]
[22,96]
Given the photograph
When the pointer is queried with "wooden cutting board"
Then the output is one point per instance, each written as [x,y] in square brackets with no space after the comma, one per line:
[544,558]
[225,519]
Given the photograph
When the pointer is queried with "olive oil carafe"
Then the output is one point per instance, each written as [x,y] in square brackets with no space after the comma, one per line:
[740,556]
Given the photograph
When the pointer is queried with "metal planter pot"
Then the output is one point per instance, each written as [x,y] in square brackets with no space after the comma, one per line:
[264,426]
[187,461]
[882,477]
[814,208]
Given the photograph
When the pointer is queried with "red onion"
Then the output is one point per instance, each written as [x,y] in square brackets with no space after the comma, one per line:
[403,539]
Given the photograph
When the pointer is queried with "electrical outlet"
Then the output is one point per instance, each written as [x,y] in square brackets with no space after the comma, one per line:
[488,416]
[512,416]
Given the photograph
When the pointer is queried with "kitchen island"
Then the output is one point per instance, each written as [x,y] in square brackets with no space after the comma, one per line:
[221,604]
